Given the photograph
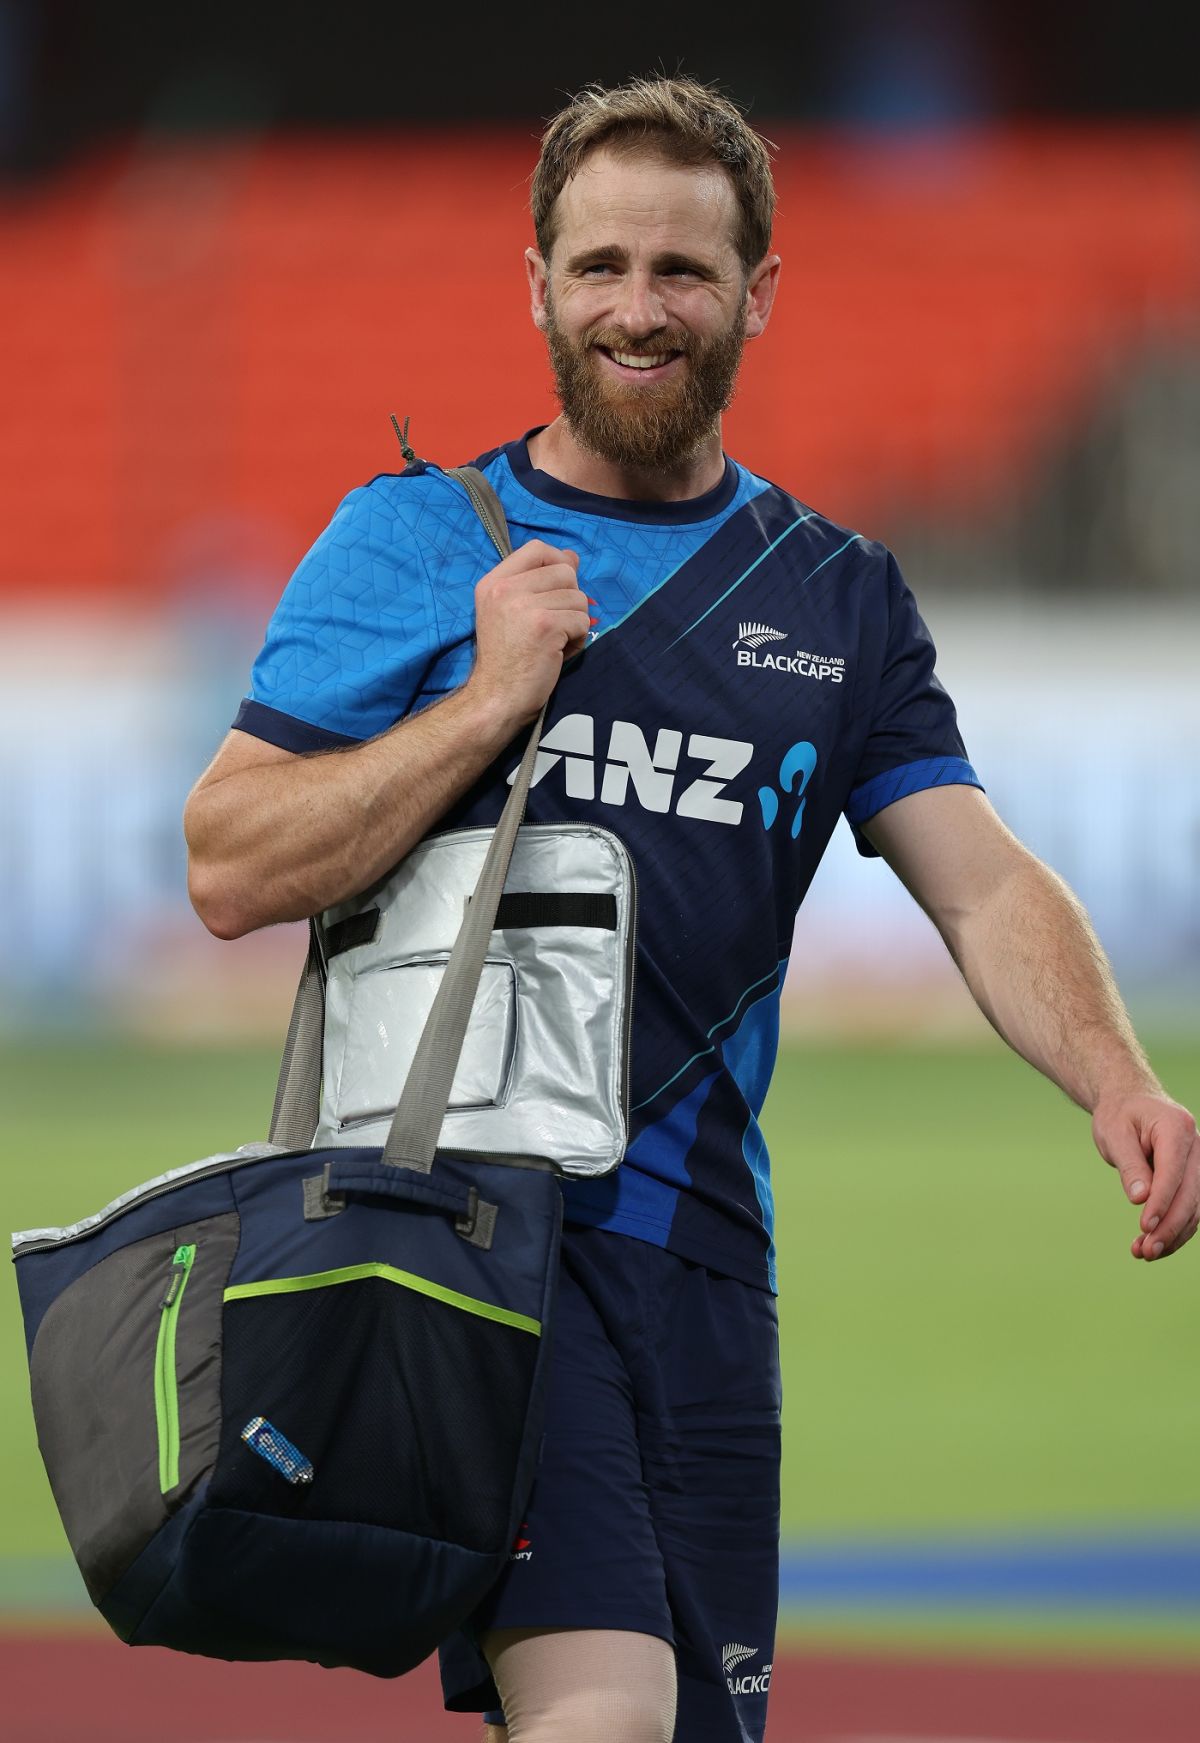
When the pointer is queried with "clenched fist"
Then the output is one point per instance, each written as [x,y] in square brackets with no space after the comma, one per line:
[530,616]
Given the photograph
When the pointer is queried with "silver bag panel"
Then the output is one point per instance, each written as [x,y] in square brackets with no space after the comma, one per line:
[544,1068]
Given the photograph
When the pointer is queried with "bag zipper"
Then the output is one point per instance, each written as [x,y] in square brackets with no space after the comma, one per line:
[45,1240]
[166,1380]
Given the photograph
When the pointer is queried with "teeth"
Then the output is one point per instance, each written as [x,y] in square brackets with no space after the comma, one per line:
[632,362]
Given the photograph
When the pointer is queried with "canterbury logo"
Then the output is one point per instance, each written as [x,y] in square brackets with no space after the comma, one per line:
[755,634]
[733,1655]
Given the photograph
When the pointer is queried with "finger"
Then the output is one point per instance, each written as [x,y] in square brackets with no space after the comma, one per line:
[543,553]
[563,599]
[547,553]
[536,554]
[1170,1235]
[1151,1248]
[547,579]
[577,633]
[1121,1148]
[1171,1139]
[1178,1224]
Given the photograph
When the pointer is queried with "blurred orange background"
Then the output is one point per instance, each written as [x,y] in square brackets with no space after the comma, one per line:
[205,339]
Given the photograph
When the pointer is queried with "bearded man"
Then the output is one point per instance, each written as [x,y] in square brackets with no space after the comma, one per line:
[730,673]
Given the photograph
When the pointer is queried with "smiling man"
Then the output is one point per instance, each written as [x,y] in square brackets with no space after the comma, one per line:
[646,316]
[731,673]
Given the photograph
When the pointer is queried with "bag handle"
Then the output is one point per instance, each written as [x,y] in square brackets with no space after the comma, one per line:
[413,1138]
[354,1175]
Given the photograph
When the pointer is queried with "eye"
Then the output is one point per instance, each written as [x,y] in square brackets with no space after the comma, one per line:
[598,267]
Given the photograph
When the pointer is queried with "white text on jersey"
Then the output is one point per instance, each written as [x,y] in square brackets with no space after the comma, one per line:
[652,773]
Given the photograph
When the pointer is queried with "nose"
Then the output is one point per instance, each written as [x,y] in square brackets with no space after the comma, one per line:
[640,307]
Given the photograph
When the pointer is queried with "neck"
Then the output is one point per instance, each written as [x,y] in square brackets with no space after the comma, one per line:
[555,450]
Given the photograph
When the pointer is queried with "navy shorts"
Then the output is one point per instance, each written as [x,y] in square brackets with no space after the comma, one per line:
[656,1502]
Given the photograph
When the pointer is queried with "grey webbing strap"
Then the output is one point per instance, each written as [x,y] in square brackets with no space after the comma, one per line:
[412,1140]
[298,1092]
[486,504]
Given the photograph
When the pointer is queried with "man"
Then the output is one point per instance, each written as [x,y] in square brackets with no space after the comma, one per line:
[391,699]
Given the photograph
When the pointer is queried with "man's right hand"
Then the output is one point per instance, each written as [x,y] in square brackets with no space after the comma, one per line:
[275,836]
[530,616]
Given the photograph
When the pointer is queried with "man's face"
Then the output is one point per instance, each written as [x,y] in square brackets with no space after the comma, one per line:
[645,305]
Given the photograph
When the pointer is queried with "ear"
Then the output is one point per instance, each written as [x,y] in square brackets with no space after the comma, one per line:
[536,273]
[760,294]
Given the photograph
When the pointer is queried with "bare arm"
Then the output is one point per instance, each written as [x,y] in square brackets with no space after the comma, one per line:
[1036,969]
[273,836]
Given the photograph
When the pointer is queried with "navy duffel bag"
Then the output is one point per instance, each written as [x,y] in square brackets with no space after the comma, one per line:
[290,1400]
[273,1434]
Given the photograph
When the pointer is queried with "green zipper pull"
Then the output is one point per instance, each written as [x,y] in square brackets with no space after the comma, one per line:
[166,1384]
[181,1264]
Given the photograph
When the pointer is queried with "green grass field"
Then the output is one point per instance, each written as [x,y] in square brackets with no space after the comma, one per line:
[967,1344]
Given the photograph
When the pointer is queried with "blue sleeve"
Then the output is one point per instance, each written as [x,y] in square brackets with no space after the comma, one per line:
[913,742]
[352,636]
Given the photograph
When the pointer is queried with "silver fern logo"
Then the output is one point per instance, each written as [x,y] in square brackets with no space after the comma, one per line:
[739,1680]
[753,635]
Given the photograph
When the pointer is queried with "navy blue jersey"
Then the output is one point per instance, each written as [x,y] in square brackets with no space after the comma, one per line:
[756,672]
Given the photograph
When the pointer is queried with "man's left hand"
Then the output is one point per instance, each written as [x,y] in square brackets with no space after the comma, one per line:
[1152,1143]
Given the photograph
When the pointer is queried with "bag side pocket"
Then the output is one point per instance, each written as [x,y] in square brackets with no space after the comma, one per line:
[125,1378]
[166,1370]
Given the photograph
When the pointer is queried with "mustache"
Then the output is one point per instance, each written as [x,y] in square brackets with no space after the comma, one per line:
[667,339]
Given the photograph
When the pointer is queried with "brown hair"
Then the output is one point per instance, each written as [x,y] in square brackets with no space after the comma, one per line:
[677,119]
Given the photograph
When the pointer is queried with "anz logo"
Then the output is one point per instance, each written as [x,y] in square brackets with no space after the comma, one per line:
[652,773]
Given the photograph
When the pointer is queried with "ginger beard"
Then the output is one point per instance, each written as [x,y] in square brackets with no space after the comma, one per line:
[657,425]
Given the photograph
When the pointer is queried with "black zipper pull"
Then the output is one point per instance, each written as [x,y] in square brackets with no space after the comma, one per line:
[410,458]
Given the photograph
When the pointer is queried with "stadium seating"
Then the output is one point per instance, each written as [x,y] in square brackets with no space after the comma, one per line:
[206,338]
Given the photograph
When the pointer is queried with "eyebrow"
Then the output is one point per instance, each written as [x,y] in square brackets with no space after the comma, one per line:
[612,253]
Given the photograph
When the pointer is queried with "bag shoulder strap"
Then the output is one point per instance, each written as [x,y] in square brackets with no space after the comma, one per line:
[416,1125]
[486,503]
